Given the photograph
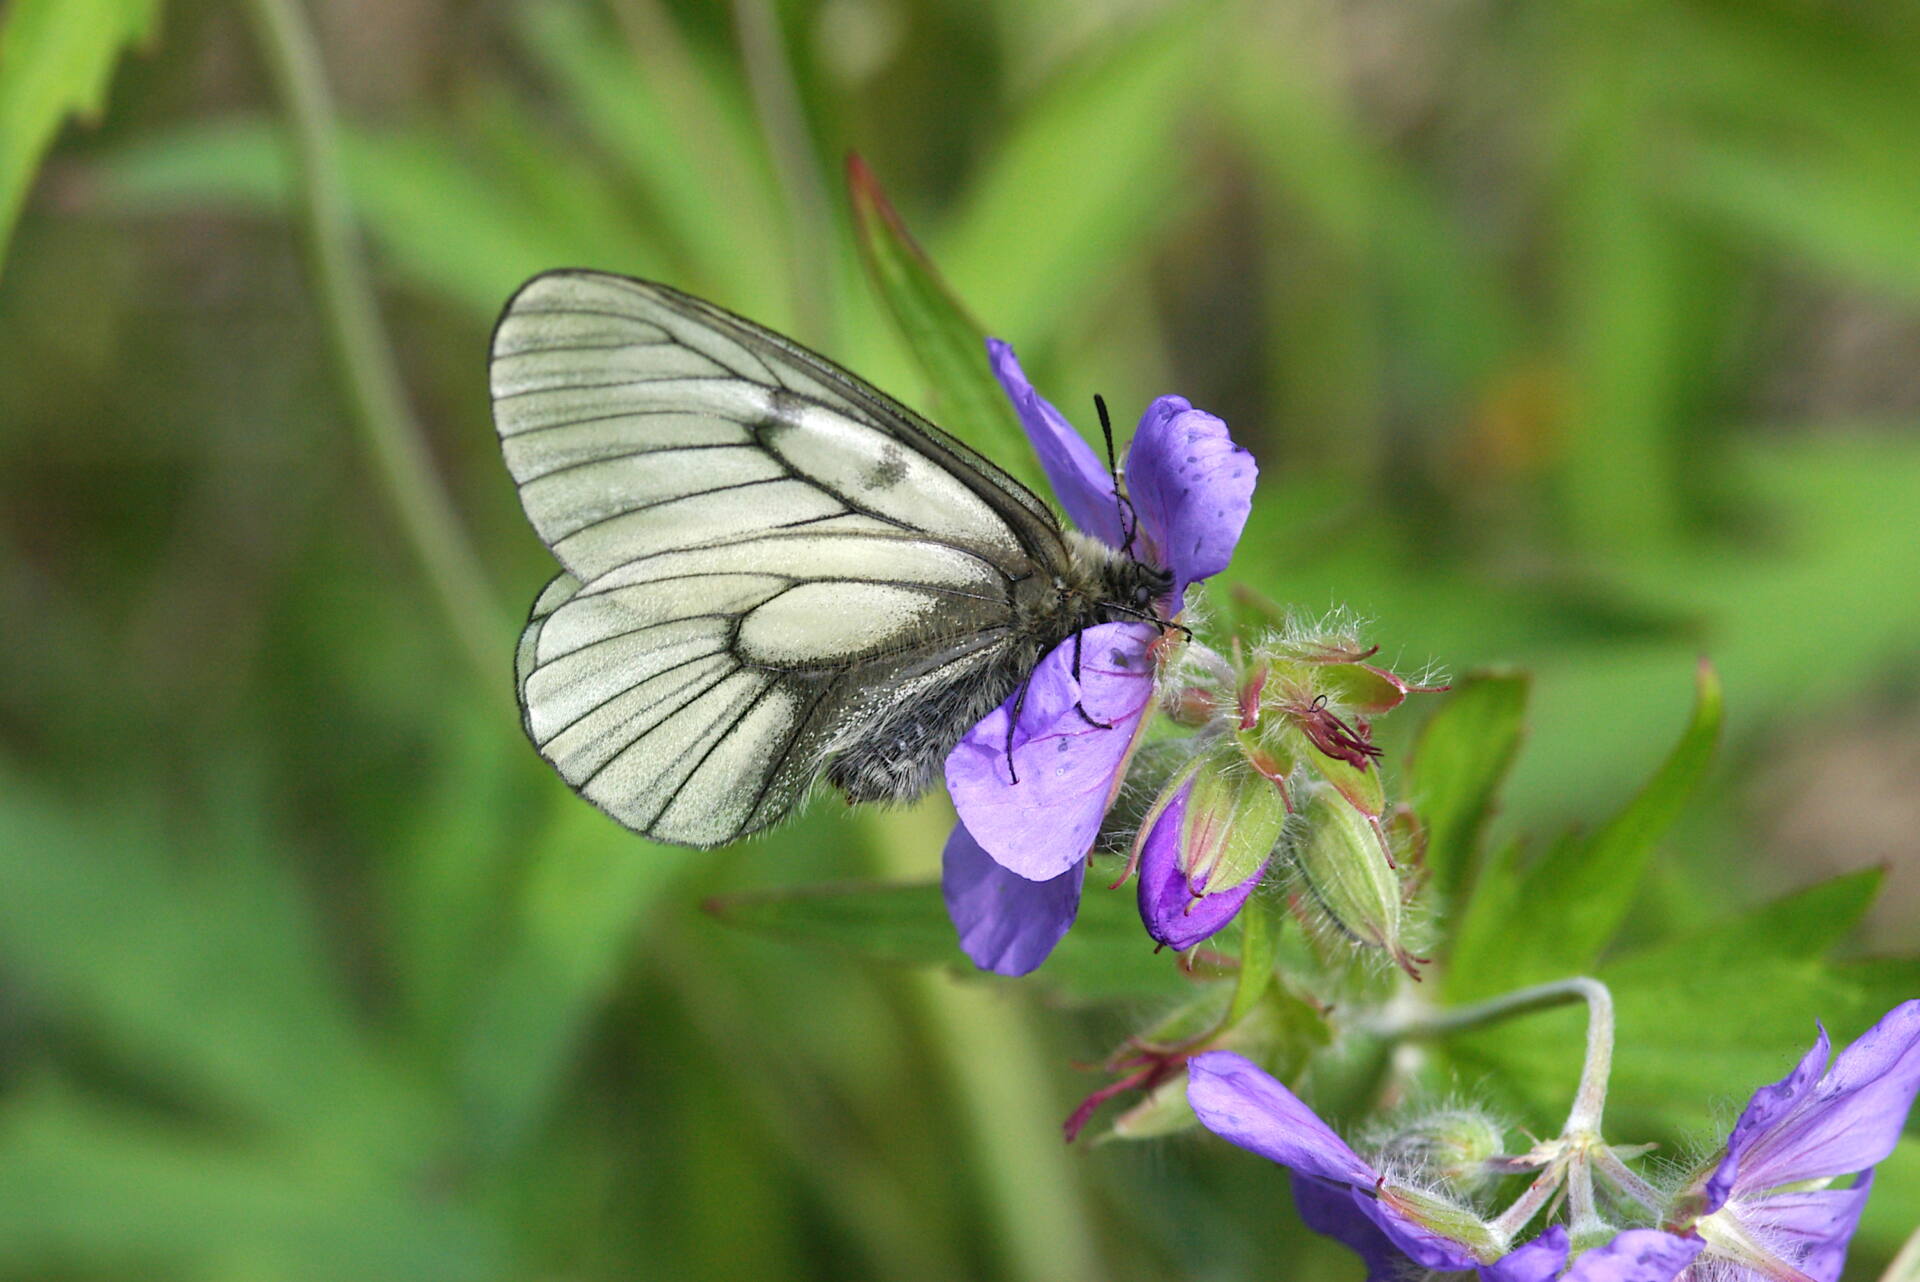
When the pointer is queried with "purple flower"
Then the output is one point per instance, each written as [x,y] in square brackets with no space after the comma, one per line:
[1634,1255]
[1394,1230]
[1029,815]
[1339,1194]
[1763,1205]
[1190,485]
[1174,902]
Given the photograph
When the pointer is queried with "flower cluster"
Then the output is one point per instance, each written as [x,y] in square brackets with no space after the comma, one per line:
[1034,779]
[1272,763]
[1281,763]
[1766,1208]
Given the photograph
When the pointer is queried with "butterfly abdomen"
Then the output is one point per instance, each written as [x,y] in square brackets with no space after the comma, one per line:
[897,755]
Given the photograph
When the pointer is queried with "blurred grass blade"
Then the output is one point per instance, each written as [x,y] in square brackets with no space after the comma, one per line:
[205,972]
[1906,1265]
[463,219]
[569,928]
[949,345]
[1082,181]
[1558,914]
[1106,956]
[685,136]
[1460,760]
[56,58]
[97,1189]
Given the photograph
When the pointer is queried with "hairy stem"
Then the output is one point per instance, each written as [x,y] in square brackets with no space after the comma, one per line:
[1591,1099]
[361,353]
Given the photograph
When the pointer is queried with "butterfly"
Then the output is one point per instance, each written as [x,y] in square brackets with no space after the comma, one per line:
[771,571]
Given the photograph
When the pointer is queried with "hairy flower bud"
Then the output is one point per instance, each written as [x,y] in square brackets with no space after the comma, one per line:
[1206,844]
[1344,862]
[1441,1215]
[1452,1147]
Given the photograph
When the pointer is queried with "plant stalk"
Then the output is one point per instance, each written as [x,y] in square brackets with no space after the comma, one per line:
[362,355]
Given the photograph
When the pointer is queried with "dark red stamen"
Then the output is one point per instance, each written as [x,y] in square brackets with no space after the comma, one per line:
[1334,737]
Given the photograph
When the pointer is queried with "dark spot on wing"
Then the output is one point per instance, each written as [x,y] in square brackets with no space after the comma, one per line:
[888,470]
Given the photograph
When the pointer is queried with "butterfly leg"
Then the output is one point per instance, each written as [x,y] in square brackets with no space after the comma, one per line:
[1078,706]
[1019,702]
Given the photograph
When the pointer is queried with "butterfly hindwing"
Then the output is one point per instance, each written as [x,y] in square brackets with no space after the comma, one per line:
[764,555]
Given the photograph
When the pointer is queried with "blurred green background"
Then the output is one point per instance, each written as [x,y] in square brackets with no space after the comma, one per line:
[1578,336]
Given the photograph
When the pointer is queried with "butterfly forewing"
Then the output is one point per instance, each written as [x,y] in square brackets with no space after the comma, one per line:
[763,553]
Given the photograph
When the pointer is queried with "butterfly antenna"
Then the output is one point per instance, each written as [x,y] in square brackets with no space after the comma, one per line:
[1129,522]
[1148,616]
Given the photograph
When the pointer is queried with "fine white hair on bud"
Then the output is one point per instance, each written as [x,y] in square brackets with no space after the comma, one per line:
[1448,1146]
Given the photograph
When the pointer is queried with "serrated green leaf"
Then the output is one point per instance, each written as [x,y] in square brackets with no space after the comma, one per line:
[1106,956]
[56,58]
[1712,1014]
[1562,910]
[947,343]
[1459,761]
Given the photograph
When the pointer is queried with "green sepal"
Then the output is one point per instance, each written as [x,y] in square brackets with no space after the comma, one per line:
[1234,818]
[1344,862]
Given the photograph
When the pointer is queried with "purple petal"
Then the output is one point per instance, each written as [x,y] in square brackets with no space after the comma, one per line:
[1799,1130]
[1769,1106]
[1007,924]
[1192,487]
[1537,1261]
[1636,1255]
[1079,480]
[1809,1230]
[1174,916]
[1067,766]
[1329,1210]
[1241,1104]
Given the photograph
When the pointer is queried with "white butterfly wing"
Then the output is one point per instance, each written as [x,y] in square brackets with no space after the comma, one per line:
[763,553]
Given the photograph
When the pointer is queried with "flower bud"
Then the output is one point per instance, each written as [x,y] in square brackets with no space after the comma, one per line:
[1453,1147]
[1206,848]
[1444,1217]
[1343,860]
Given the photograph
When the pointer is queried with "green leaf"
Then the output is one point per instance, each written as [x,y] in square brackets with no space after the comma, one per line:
[1706,1015]
[1105,956]
[56,58]
[949,345]
[1557,915]
[1460,760]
